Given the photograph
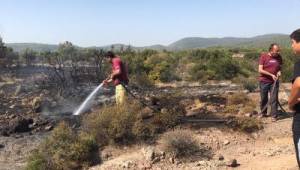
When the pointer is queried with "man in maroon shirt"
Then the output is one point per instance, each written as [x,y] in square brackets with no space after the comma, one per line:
[270,70]
[119,76]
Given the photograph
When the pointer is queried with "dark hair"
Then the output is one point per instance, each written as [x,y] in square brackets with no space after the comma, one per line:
[110,54]
[272,45]
[295,35]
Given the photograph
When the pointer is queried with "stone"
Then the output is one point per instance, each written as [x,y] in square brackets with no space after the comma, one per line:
[49,127]
[248,114]
[254,112]
[172,160]
[1,146]
[18,90]
[147,113]
[226,142]
[201,163]
[211,108]
[11,116]
[232,163]
[127,164]
[12,106]
[220,157]
[155,160]
[148,153]
[164,110]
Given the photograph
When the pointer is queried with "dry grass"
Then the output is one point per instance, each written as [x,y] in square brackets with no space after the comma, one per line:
[180,143]
[239,99]
[245,124]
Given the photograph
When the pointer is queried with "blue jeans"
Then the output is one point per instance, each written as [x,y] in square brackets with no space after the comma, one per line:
[265,89]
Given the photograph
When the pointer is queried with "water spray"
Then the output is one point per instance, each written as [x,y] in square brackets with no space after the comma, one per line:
[86,101]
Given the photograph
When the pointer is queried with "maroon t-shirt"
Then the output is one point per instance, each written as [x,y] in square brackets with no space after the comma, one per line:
[123,76]
[271,65]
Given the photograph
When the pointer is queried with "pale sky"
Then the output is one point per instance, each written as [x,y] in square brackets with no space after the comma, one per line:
[142,22]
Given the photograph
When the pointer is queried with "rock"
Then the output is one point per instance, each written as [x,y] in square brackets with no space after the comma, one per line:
[254,112]
[155,160]
[201,163]
[178,162]
[190,113]
[248,114]
[211,108]
[127,164]
[49,127]
[220,157]
[147,113]
[11,116]
[172,160]
[145,166]
[106,155]
[1,146]
[148,153]
[18,90]
[162,155]
[12,106]
[232,163]
[164,110]
[226,142]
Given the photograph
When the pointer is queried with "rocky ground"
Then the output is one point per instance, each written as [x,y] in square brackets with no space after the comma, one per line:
[270,148]
[25,122]
[225,148]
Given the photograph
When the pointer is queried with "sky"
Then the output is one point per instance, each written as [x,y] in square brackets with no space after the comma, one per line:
[142,22]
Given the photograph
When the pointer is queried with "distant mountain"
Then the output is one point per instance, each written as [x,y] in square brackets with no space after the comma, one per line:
[262,41]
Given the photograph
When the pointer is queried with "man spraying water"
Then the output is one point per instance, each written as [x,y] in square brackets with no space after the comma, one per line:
[119,77]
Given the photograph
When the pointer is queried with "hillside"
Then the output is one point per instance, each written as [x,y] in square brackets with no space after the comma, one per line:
[262,41]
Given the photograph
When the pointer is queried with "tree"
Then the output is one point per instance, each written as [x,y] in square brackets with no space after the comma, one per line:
[28,56]
[2,49]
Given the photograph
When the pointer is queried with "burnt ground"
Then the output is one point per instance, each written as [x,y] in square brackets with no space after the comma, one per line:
[28,111]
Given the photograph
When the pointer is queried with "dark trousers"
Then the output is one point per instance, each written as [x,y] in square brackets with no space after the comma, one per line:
[296,135]
[265,89]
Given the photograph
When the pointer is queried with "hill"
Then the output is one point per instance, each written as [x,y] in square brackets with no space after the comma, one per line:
[262,41]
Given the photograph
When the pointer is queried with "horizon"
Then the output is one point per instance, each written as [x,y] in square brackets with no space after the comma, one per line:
[142,23]
[138,46]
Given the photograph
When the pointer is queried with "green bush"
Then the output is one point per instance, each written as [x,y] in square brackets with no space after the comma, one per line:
[64,149]
[249,84]
[124,124]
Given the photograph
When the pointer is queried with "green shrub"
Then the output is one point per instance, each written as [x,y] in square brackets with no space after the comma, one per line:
[124,124]
[142,80]
[112,124]
[64,149]
[249,84]
[180,143]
